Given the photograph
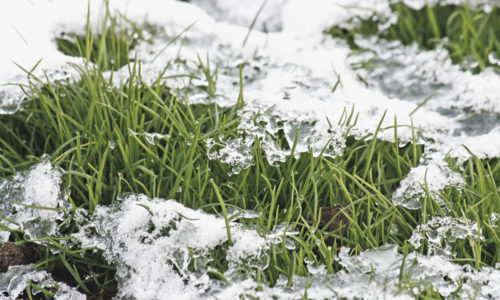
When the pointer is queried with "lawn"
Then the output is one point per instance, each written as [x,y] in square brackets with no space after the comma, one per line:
[178,162]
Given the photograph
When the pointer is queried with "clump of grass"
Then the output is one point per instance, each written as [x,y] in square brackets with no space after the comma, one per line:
[109,48]
[467,33]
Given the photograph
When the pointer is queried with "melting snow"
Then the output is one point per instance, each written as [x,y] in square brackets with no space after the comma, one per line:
[442,232]
[153,242]
[33,201]
[14,282]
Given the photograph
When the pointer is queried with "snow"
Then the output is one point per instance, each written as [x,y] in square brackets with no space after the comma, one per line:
[14,282]
[154,241]
[442,232]
[33,200]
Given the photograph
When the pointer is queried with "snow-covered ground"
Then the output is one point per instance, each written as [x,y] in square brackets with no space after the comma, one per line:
[290,68]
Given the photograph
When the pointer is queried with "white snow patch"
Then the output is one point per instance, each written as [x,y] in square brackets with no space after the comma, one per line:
[244,12]
[289,77]
[14,282]
[431,176]
[152,240]
[33,200]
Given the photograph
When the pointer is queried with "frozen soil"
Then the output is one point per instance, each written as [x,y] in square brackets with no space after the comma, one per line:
[298,81]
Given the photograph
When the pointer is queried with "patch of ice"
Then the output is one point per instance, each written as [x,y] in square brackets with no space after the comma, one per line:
[154,242]
[442,232]
[409,73]
[33,200]
[431,176]
[14,282]
[236,214]
[235,152]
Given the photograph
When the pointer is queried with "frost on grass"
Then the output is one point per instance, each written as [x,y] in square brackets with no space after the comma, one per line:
[13,283]
[162,248]
[442,232]
[32,201]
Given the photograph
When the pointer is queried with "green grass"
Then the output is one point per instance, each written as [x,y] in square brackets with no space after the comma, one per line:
[109,48]
[96,133]
[469,32]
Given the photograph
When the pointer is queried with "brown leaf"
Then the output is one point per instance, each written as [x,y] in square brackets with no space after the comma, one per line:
[12,254]
[335,217]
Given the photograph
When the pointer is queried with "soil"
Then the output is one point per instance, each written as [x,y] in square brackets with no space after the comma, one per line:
[12,255]
[336,220]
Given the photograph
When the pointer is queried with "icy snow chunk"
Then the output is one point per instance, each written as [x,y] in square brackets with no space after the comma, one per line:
[10,99]
[153,242]
[33,199]
[65,292]
[433,176]
[442,232]
[235,152]
[14,282]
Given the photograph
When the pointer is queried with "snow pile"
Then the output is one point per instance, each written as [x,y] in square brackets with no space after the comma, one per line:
[33,201]
[162,248]
[431,176]
[244,12]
